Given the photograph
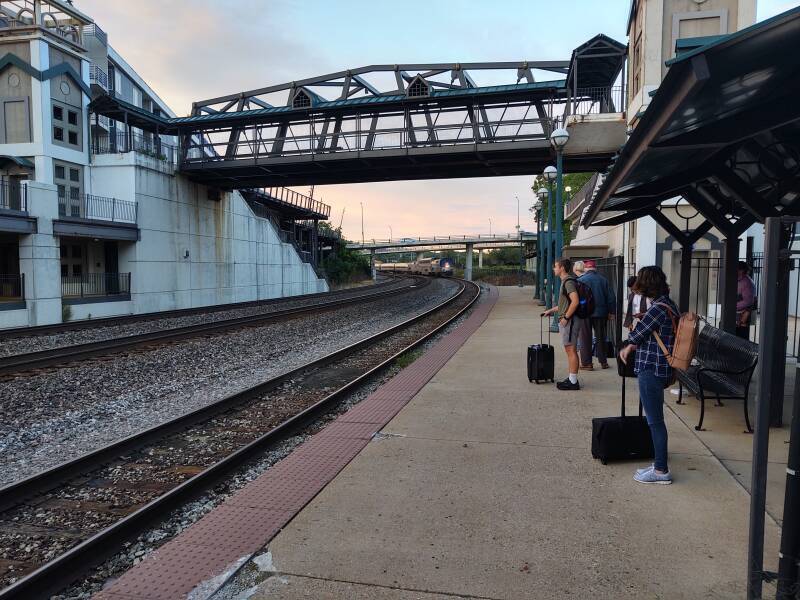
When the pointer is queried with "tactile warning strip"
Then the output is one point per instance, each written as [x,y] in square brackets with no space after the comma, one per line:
[246,521]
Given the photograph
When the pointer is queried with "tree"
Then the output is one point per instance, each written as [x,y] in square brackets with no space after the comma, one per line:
[343,265]
[574,181]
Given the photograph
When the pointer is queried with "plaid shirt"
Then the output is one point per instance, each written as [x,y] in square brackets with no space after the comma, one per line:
[649,356]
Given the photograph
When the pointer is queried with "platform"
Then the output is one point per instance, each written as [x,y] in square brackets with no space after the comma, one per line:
[483,486]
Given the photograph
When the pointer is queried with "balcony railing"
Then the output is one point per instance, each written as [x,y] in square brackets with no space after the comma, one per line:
[597,100]
[120,143]
[292,198]
[94,31]
[580,199]
[96,285]
[13,196]
[98,77]
[97,208]
[12,287]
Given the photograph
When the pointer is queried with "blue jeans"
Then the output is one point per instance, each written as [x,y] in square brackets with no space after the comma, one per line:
[651,392]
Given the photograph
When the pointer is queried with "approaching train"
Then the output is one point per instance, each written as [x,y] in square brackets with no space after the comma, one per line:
[439,267]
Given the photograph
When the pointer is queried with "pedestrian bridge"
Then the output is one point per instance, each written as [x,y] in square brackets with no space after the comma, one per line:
[402,122]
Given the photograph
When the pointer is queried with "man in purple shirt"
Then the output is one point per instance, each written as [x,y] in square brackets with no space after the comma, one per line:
[745,300]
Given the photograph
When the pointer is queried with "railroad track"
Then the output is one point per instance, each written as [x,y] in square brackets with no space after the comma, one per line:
[40,330]
[74,516]
[64,355]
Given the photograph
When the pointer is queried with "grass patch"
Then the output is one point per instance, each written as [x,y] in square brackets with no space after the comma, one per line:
[408,358]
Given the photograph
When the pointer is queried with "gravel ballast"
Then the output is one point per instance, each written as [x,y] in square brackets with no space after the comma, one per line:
[59,414]
[36,343]
[182,518]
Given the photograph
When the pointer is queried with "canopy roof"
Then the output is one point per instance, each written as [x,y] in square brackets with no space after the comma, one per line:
[596,63]
[723,130]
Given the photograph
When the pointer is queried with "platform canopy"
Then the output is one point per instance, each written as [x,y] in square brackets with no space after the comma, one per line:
[722,130]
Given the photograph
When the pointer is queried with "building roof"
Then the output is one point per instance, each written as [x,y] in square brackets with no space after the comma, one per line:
[724,124]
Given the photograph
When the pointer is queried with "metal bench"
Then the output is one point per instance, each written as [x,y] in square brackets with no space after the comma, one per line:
[724,368]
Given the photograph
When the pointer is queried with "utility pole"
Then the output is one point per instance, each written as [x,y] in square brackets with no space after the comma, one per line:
[362,223]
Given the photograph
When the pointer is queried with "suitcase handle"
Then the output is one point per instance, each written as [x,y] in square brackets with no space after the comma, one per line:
[541,330]
[622,411]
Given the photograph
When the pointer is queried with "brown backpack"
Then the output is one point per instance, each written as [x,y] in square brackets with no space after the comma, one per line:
[686,330]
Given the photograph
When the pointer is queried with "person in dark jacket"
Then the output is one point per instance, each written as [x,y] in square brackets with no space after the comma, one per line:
[605,307]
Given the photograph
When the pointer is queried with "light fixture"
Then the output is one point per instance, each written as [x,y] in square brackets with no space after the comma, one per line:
[542,193]
[550,173]
[537,205]
[559,138]
[568,189]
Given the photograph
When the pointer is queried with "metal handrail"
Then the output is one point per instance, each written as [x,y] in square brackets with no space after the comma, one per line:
[293,198]
[13,196]
[121,143]
[12,286]
[95,284]
[98,76]
[97,208]
[445,238]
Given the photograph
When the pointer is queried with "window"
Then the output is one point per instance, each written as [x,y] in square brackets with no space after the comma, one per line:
[62,191]
[74,174]
[74,193]
[63,252]
[60,173]
[67,126]
[76,251]
[64,268]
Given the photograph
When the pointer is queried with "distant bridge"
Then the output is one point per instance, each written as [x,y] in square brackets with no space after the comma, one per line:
[444,242]
[401,122]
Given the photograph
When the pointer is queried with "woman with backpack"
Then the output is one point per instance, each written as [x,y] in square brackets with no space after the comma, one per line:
[651,367]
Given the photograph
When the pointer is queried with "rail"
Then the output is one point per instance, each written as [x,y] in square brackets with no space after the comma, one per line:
[12,286]
[121,143]
[581,197]
[296,199]
[84,553]
[443,239]
[96,208]
[392,130]
[94,285]
[98,76]
[13,196]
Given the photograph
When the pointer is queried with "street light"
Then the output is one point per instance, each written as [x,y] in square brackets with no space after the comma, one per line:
[390,233]
[490,228]
[559,139]
[519,235]
[543,246]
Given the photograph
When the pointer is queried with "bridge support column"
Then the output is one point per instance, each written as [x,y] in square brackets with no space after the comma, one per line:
[372,270]
[468,263]
[480,259]
[419,255]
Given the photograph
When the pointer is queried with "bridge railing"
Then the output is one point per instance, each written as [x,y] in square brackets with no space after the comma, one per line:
[442,239]
[391,130]
[292,198]
[594,101]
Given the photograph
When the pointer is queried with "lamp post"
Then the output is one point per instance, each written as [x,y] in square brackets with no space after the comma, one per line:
[390,233]
[519,235]
[362,223]
[559,139]
[490,228]
[541,254]
[549,175]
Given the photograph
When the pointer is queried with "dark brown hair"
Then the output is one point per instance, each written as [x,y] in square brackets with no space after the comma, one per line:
[651,282]
[565,263]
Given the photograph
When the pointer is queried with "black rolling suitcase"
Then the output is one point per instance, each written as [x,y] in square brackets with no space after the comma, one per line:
[622,438]
[541,359]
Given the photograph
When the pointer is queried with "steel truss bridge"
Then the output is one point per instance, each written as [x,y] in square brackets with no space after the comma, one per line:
[445,242]
[393,122]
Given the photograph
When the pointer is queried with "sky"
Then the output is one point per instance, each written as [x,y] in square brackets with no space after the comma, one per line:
[189,50]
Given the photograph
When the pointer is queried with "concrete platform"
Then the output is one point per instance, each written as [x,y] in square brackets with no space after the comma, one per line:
[482,486]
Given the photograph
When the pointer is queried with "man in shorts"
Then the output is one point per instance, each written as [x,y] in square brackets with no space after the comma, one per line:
[569,324]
